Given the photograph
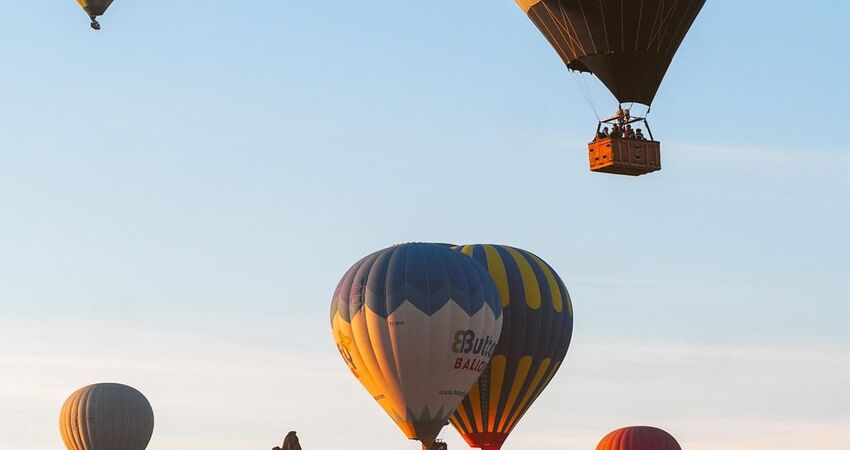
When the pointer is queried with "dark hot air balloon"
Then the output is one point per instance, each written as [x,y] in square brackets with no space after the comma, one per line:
[638,438]
[106,416]
[95,9]
[629,46]
[536,332]
[417,324]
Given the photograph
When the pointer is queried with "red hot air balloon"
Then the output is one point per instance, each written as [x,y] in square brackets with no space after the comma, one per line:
[639,438]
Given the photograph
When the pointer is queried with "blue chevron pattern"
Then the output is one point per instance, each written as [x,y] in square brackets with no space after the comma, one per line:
[427,275]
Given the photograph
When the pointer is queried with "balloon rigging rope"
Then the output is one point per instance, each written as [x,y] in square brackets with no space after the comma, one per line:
[567,31]
[664,21]
[585,92]
[622,27]
[586,23]
[604,25]
[640,22]
[678,30]
[654,30]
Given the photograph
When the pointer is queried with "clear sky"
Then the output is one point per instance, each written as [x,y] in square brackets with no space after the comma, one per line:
[180,193]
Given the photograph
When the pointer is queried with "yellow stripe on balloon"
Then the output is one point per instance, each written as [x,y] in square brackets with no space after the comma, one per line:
[519,380]
[475,401]
[529,279]
[497,378]
[554,287]
[552,372]
[532,389]
[464,419]
[496,268]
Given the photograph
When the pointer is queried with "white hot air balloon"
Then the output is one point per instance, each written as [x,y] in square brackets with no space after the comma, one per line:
[417,324]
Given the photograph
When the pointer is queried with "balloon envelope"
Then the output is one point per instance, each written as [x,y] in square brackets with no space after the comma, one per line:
[95,8]
[416,324]
[106,417]
[536,332]
[628,45]
[639,438]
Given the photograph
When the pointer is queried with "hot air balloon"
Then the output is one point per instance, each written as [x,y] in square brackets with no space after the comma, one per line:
[639,438]
[629,46]
[536,332]
[95,9]
[106,417]
[417,324]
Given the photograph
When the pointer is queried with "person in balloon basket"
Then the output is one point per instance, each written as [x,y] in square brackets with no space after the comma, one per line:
[290,442]
[439,445]
[616,131]
[628,133]
[602,134]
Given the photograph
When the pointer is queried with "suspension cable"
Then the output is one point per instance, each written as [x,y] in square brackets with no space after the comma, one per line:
[585,92]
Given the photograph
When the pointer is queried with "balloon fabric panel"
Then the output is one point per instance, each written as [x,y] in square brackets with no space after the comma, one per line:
[628,45]
[536,332]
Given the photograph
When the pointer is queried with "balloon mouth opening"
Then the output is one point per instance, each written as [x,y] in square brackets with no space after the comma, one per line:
[486,441]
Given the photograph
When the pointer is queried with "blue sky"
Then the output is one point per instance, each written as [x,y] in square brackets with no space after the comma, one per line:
[180,193]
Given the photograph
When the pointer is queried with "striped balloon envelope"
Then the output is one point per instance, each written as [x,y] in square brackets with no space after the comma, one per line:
[106,416]
[639,438]
[416,324]
[536,332]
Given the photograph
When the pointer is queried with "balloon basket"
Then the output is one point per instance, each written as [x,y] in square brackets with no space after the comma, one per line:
[624,156]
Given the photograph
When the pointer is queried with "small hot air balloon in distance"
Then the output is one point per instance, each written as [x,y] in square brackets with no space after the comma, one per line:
[638,438]
[628,45]
[106,416]
[416,324]
[537,327]
[95,9]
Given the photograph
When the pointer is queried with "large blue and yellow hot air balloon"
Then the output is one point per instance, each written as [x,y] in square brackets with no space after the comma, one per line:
[536,332]
[417,324]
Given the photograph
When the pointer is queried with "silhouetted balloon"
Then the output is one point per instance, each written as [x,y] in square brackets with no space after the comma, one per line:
[106,417]
[536,332]
[95,9]
[417,324]
[639,438]
[628,45]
